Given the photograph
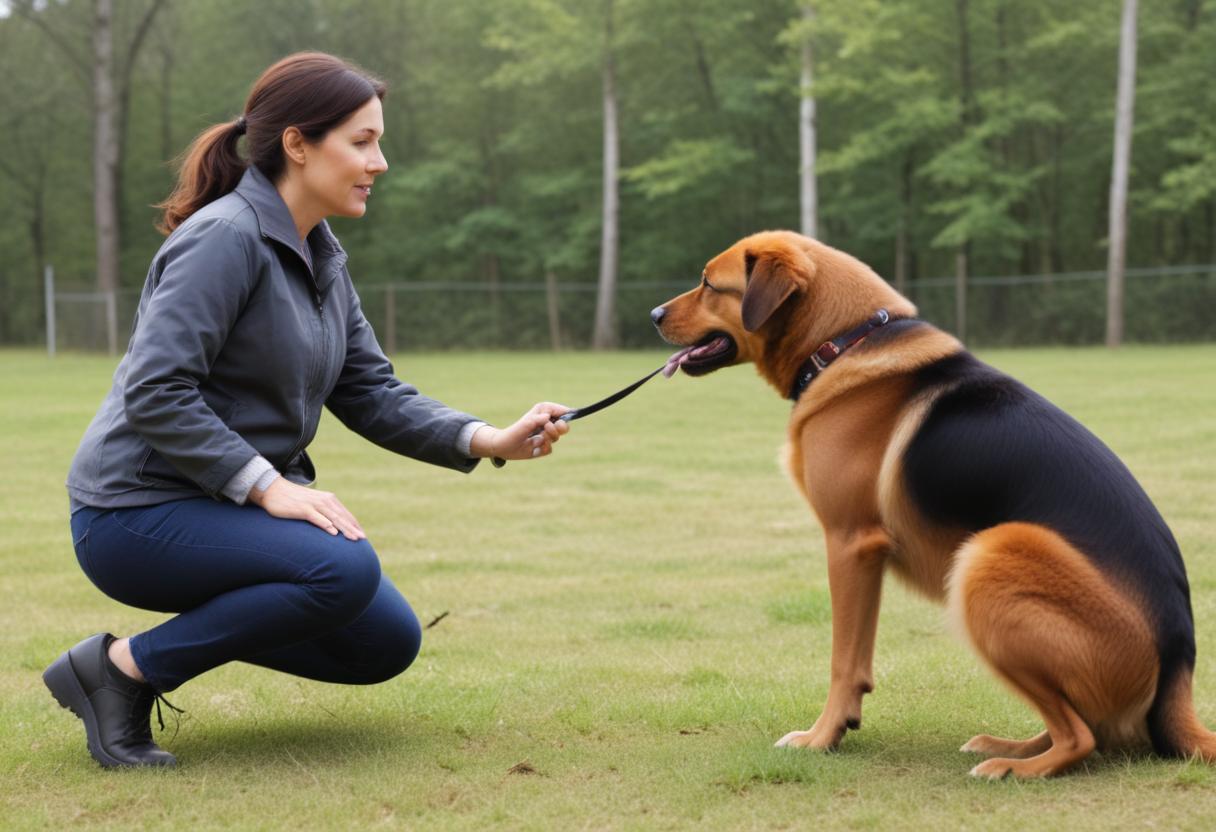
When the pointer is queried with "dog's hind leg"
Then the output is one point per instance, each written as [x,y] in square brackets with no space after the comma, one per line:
[1060,633]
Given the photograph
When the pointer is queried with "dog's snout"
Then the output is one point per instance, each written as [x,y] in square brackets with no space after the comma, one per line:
[656,314]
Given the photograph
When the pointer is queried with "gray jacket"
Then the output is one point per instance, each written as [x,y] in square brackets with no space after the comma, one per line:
[241,336]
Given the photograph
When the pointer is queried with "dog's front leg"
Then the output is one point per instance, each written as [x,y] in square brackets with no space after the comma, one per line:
[856,561]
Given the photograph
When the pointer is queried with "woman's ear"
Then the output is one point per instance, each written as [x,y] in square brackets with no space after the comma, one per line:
[293,145]
[771,278]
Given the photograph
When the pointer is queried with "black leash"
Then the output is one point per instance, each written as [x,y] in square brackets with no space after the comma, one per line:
[580,412]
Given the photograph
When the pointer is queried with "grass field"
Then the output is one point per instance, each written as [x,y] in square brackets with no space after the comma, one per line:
[631,624]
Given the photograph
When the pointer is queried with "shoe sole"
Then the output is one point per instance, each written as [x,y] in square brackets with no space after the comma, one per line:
[60,679]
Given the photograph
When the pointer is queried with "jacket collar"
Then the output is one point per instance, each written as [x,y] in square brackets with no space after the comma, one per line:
[275,223]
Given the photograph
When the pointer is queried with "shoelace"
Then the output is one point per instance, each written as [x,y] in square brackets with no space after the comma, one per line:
[143,729]
[177,723]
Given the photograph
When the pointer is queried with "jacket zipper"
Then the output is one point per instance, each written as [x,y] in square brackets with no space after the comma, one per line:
[318,370]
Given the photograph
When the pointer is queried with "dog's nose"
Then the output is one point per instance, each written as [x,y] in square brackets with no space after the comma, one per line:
[657,314]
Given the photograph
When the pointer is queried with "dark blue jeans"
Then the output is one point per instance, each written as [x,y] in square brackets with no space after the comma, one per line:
[248,587]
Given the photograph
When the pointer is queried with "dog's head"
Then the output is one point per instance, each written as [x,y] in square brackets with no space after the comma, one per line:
[768,298]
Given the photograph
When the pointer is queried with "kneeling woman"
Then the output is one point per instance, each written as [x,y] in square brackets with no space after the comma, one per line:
[189,489]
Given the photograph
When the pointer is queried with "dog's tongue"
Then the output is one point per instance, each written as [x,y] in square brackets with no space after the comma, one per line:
[676,360]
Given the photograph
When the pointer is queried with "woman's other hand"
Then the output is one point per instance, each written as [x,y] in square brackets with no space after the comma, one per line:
[517,441]
[283,498]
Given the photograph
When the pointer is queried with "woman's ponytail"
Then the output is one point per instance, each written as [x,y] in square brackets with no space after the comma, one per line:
[311,91]
[211,167]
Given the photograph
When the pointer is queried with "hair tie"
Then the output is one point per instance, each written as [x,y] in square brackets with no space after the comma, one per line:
[240,126]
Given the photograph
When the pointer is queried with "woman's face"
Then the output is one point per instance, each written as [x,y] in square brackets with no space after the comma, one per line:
[339,170]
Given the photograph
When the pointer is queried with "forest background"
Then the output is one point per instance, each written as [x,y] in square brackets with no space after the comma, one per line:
[948,132]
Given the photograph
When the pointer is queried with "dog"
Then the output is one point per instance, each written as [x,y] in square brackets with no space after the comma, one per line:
[976,491]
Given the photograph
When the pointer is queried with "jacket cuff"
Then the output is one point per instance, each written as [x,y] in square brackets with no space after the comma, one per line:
[256,472]
[464,440]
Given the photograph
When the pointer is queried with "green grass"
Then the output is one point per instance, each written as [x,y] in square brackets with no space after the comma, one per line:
[635,620]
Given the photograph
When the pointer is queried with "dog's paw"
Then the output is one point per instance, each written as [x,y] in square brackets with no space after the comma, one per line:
[979,744]
[998,768]
[991,746]
[994,769]
[810,739]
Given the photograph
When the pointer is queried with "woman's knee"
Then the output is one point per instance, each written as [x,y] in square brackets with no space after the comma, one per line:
[346,579]
[394,651]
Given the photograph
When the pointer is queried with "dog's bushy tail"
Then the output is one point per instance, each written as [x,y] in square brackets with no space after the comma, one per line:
[1172,722]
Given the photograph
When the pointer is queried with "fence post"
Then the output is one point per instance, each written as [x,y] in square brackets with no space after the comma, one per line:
[48,278]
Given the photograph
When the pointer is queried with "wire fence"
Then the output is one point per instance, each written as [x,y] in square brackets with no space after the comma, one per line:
[1171,304]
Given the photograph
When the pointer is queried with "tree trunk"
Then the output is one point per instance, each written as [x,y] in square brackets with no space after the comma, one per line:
[1119,174]
[806,132]
[605,336]
[105,162]
[707,77]
[122,92]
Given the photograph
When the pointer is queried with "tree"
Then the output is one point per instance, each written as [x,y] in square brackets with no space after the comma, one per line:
[111,84]
[544,41]
[1176,132]
[1125,98]
[809,197]
[496,135]
[605,334]
[33,119]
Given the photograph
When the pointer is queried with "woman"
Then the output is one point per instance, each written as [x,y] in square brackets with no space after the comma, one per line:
[189,489]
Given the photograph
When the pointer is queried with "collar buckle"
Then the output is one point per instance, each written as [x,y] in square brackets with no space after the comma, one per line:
[825,355]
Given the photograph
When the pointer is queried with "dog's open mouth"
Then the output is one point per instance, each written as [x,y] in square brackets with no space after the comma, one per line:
[716,350]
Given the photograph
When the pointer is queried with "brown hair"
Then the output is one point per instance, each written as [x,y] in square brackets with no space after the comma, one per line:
[311,91]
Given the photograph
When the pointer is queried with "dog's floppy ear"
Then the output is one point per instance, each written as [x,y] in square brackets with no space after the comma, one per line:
[772,276]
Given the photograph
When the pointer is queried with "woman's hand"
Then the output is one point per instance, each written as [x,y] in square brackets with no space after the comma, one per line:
[283,498]
[517,441]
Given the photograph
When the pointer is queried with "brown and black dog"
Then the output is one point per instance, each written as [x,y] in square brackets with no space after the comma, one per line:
[975,490]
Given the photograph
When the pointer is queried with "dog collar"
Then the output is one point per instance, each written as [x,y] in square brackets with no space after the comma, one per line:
[829,351]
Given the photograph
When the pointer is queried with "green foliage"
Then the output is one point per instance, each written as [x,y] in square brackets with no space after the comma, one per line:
[494,134]
[686,165]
